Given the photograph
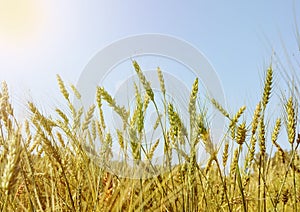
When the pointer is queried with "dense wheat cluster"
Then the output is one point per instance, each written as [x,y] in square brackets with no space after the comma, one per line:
[46,162]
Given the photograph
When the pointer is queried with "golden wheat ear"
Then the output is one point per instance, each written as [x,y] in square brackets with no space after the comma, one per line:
[11,169]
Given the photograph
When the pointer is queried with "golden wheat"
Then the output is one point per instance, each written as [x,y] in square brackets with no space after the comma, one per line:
[45,163]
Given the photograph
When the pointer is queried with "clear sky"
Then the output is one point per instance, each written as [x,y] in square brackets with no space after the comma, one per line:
[39,38]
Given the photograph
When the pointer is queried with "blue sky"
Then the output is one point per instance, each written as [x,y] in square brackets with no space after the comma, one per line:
[39,39]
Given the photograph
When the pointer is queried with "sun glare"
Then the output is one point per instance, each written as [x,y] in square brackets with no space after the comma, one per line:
[19,19]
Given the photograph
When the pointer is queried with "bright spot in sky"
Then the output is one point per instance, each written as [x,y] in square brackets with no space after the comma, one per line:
[19,20]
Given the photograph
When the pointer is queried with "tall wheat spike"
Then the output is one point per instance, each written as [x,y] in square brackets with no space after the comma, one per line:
[152,150]
[234,120]
[241,133]
[220,108]
[62,87]
[143,80]
[267,87]
[275,134]
[225,154]
[254,125]
[161,81]
[262,137]
[88,117]
[291,120]
[121,111]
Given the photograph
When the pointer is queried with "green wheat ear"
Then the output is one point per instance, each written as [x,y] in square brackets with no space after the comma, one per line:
[143,80]
[274,137]
[253,139]
[262,137]
[255,118]
[234,121]
[220,108]
[267,87]
[99,103]
[192,103]
[161,81]
[177,128]
[139,113]
[120,110]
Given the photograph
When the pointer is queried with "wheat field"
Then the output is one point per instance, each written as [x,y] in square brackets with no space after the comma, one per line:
[45,165]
